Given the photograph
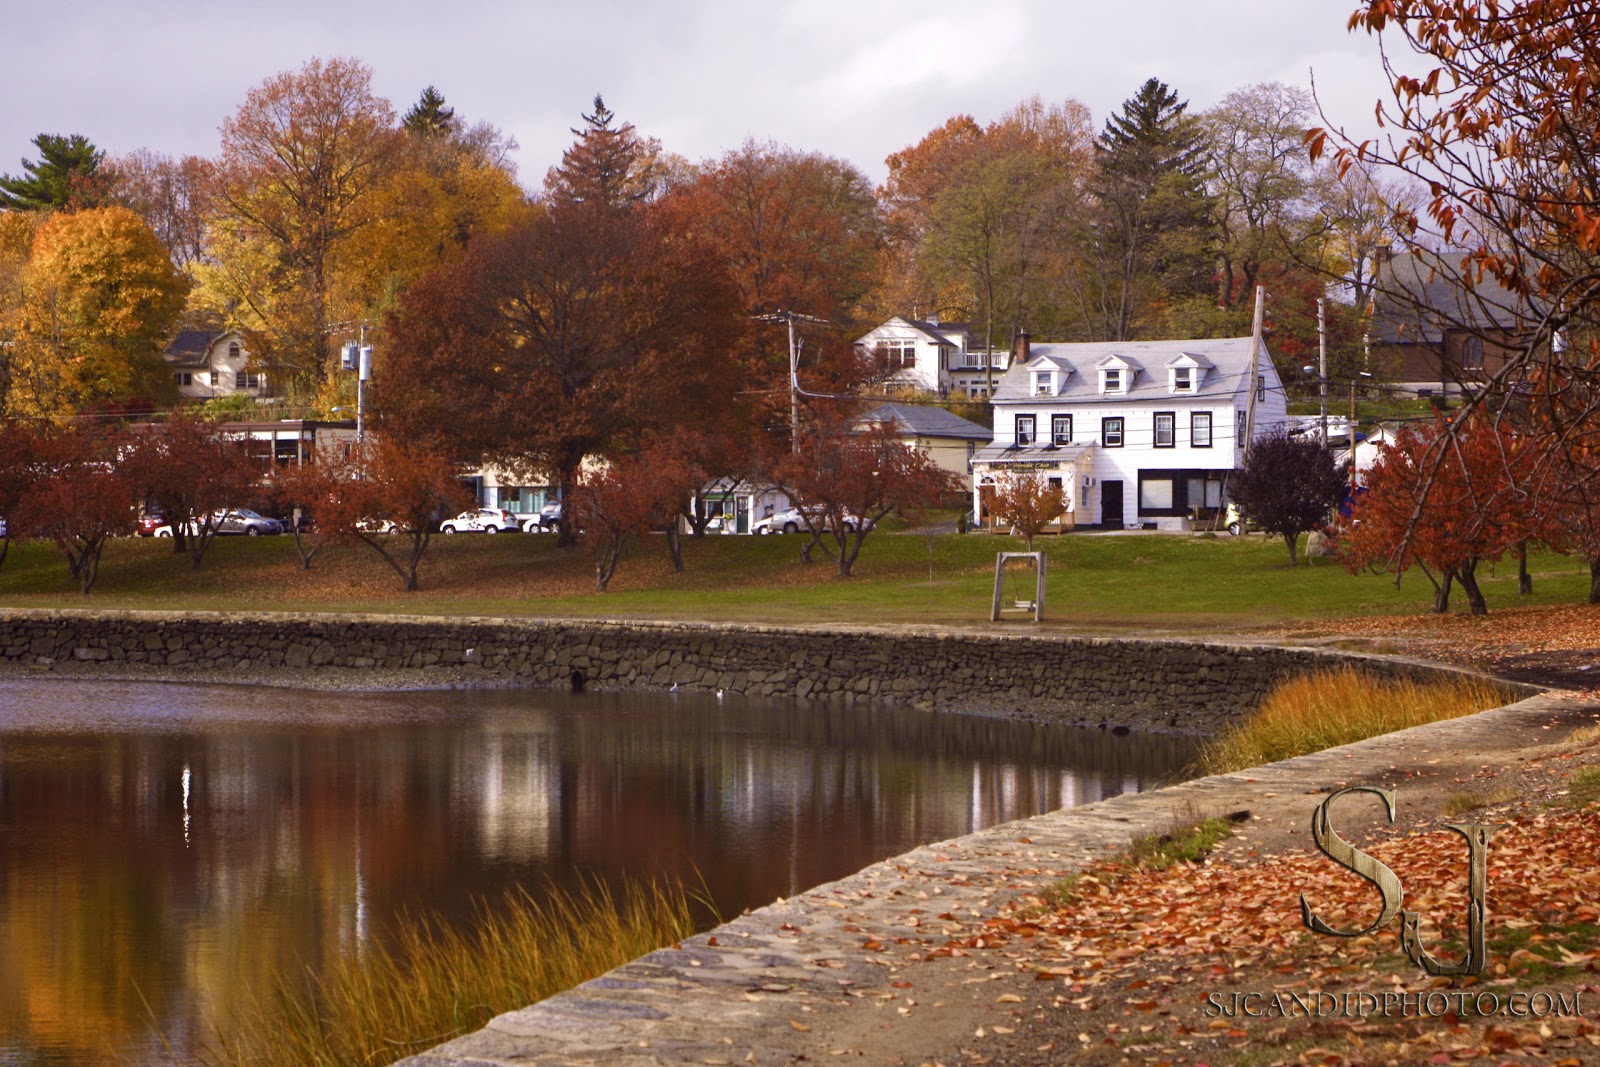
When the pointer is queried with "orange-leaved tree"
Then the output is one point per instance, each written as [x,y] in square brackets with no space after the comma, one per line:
[632,496]
[388,496]
[846,478]
[76,496]
[193,471]
[1029,501]
[1445,501]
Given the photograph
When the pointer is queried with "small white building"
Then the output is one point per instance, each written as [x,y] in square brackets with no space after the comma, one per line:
[929,356]
[1138,433]
[208,363]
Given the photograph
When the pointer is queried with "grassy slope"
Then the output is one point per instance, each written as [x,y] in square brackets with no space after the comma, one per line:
[1107,583]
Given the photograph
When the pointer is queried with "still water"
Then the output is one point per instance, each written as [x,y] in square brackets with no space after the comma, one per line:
[165,848]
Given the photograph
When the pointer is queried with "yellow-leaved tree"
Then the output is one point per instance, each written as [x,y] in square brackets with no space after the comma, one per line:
[98,299]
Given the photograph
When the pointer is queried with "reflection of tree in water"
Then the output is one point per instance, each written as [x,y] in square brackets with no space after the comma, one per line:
[313,819]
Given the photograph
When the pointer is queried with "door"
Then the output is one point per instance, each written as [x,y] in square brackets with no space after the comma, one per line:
[1111,505]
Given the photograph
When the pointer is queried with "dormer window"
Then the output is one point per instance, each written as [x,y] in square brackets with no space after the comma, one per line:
[1183,379]
[1111,380]
[1044,383]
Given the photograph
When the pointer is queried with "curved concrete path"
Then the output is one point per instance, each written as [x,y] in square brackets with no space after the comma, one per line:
[841,973]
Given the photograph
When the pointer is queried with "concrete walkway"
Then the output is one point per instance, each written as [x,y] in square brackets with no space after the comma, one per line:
[837,972]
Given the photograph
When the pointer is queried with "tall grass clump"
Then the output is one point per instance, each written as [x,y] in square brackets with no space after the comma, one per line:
[431,982]
[1336,707]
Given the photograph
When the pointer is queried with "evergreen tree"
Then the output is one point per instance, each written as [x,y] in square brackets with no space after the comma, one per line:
[429,117]
[608,165]
[64,176]
[1152,228]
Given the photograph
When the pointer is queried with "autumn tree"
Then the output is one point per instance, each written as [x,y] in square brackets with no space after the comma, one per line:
[170,195]
[1444,499]
[1491,112]
[384,484]
[300,161]
[193,471]
[1029,501]
[76,496]
[573,334]
[610,165]
[99,299]
[1288,485]
[846,478]
[66,175]
[630,497]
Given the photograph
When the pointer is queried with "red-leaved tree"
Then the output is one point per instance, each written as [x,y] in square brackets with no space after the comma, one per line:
[1446,501]
[194,472]
[846,479]
[76,496]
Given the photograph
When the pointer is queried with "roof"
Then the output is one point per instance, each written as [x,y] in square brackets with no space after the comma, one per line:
[190,348]
[1229,359]
[1044,453]
[944,333]
[1418,297]
[923,420]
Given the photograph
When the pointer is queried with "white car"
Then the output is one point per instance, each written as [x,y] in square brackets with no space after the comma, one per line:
[790,520]
[481,520]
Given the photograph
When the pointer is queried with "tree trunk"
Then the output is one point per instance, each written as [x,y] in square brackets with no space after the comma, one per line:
[675,544]
[566,481]
[1469,582]
[1441,593]
[1290,539]
[1524,579]
[605,565]
[1594,580]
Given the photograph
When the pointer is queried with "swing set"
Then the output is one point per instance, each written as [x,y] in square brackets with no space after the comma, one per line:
[1017,602]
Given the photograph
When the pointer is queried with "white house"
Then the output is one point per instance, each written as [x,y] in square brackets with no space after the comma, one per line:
[930,356]
[1138,433]
[207,363]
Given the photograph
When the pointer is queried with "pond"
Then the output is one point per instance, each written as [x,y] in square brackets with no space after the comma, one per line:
[165,849]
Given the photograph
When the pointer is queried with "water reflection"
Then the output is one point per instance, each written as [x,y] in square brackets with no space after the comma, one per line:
[165,848]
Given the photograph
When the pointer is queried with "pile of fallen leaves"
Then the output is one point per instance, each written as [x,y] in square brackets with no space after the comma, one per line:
[1138,951]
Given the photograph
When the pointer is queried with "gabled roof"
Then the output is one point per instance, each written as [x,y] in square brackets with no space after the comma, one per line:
[1417,297]
[1041,362]
[943,333]
[192,348]
[922,420]
[1229,358]
[1190,359]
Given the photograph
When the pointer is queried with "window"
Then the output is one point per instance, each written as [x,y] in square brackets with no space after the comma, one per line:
[1183,379]
[1165,435]
[1472,353]
[1025,429]
[1238,429]
[1111,381]
[1261,388]
[247,380]
[898,355]
[1061,429]
[1111,432]
[1155,494]
[233,349]
[183,377]
[1044,383]
[1200,429]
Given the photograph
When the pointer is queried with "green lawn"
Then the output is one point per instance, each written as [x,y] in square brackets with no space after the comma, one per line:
[1107,583]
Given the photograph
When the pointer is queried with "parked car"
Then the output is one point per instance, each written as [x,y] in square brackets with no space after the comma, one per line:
[379,526]
[481,520]
[547,521]
[244,521]
[790,520]
[151,523]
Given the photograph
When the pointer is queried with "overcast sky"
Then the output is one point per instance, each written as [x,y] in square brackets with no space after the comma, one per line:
[857,79]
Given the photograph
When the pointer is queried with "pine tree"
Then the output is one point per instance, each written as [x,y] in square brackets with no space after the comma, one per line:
[65,176]
[429,117]
[1154,220]
[608,165]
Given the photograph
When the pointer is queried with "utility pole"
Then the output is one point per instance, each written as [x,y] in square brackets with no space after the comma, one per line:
[1322,365]
[1255,375]
[790,318]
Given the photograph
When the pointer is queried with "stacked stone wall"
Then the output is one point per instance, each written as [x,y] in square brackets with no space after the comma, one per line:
[1190,686]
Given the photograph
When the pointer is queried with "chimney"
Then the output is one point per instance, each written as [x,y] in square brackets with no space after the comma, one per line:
[933,318]
[1022,347]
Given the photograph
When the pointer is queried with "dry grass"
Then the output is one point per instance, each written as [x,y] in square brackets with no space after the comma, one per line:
[434,982]
[1472,800]
[1336,707]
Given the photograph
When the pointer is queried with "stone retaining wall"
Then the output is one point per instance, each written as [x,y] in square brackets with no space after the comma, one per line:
[1193,687]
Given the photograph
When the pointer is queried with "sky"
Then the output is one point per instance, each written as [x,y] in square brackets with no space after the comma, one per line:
[856,79]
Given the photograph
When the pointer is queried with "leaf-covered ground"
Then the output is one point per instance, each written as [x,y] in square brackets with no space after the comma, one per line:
[1126,966]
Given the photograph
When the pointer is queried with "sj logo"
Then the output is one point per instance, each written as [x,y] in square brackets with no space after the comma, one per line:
[1375,871]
